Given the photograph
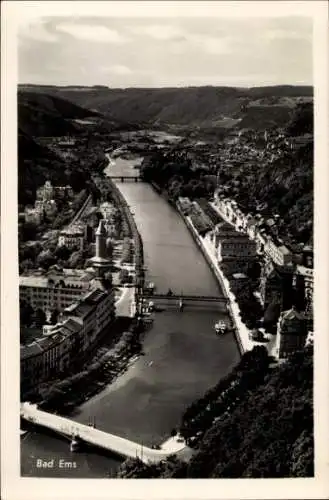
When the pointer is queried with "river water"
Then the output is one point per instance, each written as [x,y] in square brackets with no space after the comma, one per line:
[183,356]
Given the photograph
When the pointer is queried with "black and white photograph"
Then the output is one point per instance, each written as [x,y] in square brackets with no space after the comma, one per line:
[165,244]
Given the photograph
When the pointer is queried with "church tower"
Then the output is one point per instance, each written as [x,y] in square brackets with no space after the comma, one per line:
[100,262]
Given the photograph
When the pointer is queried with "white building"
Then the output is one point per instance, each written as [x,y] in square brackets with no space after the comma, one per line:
[291,334]
[279,254]
[72,237]
[34,215]
[45,192]
[307,275]
[107,209]
[51,292]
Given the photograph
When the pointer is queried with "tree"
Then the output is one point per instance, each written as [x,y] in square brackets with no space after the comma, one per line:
[39,318]
[62,252]
[76,260]
[45,259]
[302,460]
[272,314]
[25,313]
[28,231]
[54,317]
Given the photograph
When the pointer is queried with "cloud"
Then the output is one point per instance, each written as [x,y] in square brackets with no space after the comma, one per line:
[37,31]
[158,31]
[117,69]
[182,39]
[150,51]
[211,44]
[282,34]
[92,33]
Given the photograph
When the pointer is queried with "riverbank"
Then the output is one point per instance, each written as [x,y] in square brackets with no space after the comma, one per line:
[222,281]
[242,333]
[111,359]
[182,355]
[138,243]
[103,369]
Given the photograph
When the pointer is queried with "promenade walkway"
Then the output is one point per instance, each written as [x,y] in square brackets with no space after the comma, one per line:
[242,331]
[101,439]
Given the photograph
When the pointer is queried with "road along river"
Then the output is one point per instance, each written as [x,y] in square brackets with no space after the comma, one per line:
[182,355]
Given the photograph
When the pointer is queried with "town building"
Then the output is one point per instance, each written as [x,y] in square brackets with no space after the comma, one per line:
[237,282]
[276,285]
[48,192]
[232,247]
[45,192]
[304,277]
[81,324]
[94,312]
[50,355]
[72,237]
[292,333]
[184,204]
[34,215]
[54,290]
[278,253]
[107,209]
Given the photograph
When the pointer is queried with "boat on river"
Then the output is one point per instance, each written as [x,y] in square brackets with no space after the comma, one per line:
[150,287]
[75,443]
[220,327]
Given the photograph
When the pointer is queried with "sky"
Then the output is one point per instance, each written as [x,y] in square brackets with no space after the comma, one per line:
[161,52]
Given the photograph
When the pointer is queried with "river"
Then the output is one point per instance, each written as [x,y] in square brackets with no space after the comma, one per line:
[183,356]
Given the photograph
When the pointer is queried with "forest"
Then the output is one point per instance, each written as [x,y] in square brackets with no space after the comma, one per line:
[207,106]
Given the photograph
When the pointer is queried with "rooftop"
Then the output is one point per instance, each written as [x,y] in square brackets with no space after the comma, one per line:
[292,314]
[72,326]
[79,309]
[95,261]
[101,231]
[94,297]
[72,231]
[238,276]
[30,350]
[33,281]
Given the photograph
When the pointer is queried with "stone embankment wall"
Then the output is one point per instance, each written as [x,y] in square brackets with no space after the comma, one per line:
[218,276]
[122,204]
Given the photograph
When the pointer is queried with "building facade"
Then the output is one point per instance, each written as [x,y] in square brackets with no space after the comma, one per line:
[233,247]
[52,292]
[49,192]
[88,309]
[34,215]
[72,237]
[291,334]
[276,285]
[279,254]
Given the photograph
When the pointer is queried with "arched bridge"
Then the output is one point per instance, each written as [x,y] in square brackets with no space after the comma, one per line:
[115,444]
[125,178]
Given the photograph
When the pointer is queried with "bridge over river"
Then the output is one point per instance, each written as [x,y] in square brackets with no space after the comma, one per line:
[182,355]
[95,437]
[125,178]
[215,303]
